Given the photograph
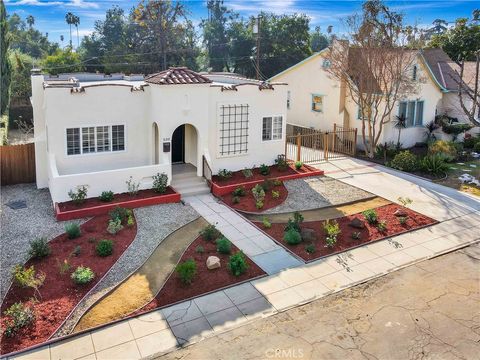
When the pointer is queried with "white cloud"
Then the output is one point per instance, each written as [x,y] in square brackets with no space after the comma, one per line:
[81,4]
[34,3]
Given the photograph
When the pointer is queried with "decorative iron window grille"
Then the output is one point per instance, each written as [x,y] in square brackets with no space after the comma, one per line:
[233,129]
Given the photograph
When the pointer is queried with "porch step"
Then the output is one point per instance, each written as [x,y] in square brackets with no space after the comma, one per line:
[190,185]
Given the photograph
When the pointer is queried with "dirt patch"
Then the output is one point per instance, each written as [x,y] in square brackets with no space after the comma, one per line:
[59,294]
[247,202]
[345,241]
[118,198]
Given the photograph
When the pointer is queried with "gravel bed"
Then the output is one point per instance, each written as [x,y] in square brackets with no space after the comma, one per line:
[19,227]
[154,224]
[317,192]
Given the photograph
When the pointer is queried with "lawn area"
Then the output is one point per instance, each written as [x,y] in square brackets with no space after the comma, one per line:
[459,168]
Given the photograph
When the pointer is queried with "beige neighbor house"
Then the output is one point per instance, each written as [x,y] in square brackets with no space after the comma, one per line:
[315,100]
[99,130]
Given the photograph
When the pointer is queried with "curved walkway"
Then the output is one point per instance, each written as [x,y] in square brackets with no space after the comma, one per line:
[144,284]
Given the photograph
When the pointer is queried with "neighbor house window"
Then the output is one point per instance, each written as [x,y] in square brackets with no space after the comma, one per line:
[317,103]
[233,129]
[288,99]
[361,116]
[326,63]
[413,111]
[272,128]
[95,139]
[414,72]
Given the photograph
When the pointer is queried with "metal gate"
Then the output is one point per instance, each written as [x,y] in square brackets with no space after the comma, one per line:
[310,145]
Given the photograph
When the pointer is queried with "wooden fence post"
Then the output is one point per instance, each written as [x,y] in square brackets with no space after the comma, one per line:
[325,146]
[355,143]
[299,146]
[334,137]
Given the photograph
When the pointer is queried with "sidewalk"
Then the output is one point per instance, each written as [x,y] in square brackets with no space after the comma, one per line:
[163,330]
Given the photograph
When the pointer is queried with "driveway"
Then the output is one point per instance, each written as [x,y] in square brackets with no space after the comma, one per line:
[398,316]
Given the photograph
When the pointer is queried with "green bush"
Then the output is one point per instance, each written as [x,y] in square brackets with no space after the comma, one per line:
[82,275]
[130,219]
[447,149]
[389,149]
[281,163]
[186,271]
[224,246]
[27,277]
[237,264]
[78,196]
[332,230]
[298,165]
[73,230]
[119,213]
[248,173]
[160,182]
[266,185]
[235,200]
[104,248]
[210,233]
[275,194]
[371,216]
[259,204]
[258,193]
[476,148]
[264,170]
[382,226]
[404,161]
[106,196]
[295,223]
[240,191]
[266,223]
[310,248]
[17,316]
[199,249]
[77,250]
[225,174]
[469,142]
[39,248]
[114,226]
[277,182]
[292,237]
[402,220]
[434,164]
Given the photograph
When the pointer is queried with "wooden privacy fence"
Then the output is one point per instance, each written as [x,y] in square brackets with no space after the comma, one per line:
[17,164]
[310,145]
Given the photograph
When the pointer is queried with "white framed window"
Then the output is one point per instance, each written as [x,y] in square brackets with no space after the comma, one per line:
[272,128]
[233,129]
[95,139]
[413,111]
[317,103]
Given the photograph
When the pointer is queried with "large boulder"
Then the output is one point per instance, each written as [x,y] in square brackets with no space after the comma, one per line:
[308,234]
[213,262]
[400,212]
[357,223]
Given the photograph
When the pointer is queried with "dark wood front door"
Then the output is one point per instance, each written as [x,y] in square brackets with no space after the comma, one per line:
[178,145]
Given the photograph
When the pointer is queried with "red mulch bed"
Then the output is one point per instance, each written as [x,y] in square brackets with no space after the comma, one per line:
[238,177]
[205,280]
[247,202]
[118,198]
[344,241]
[59,294]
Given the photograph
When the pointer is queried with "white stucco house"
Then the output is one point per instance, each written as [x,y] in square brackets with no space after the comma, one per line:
[98,130]
[317,101]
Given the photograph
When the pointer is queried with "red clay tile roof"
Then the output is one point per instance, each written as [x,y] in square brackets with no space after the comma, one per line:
[177,76]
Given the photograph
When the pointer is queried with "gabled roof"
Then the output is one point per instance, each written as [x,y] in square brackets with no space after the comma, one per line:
[177,76]
[304,61]
[442,68]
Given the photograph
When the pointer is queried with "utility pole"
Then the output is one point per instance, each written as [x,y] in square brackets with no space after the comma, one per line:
[256,30]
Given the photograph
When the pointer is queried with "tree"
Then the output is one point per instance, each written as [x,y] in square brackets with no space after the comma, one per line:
[318,41]
[468,82]
[400,123]
[70,20]
[375,68]
[22,64]
[62,38]
[30,21]
[5,65]
[76,22]
[63,61]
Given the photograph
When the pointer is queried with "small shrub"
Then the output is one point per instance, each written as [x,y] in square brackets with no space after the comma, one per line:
[78,196]
[292,237]
[39,248]
[404,161]
[310,248]
[277,182]
[446,149]
[199,249]
[28,278]
[119,213]
[63,267]
[82,275]
[132,186]
[266,223]
[186,271]
[224,246]
[114,226]
[281,163]
[259,204]
[275,194]
[225,174]
[469,142]
[130,219]
[106,196]
[295,223]
[76,251]
[104,248]
[237,264]
[160,182]
[434,164]
[356,235]
[264,170]
[402,220]
[258,193]
[476,147]
[240,191]
[387,150]
[332,230]
[298,165]
[382,226]
[266,185]
[73,230]
[235,200]
[210,233]
[18,316]
[371,216]
[248,173]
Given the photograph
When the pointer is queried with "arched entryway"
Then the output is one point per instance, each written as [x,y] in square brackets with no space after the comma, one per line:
[184,145]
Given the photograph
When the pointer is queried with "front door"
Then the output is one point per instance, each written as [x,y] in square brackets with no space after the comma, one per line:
[178,145]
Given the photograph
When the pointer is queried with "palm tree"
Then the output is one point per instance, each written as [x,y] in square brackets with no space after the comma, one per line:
[30,21]
[69,18]
[61,39]
[400,123]
[76,22]
[430,128]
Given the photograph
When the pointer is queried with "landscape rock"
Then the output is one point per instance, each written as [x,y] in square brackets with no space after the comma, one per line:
[400,212]
[308,234]
[213,262]
[357,223]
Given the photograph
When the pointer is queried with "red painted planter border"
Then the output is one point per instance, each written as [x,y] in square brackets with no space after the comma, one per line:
[219,190]
[104,209]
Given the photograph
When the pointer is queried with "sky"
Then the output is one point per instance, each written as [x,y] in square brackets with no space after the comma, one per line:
[50,15]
